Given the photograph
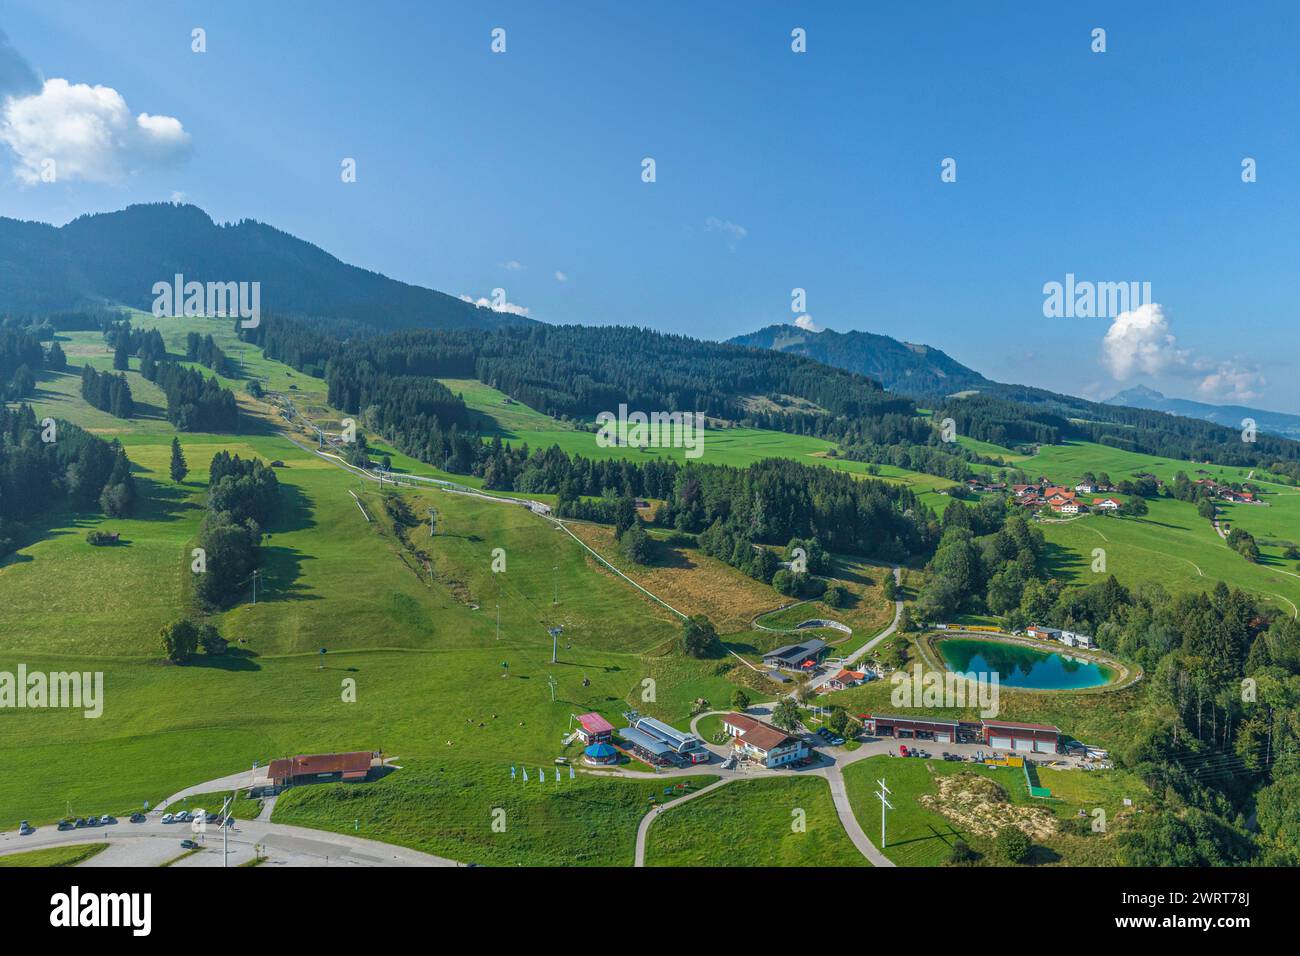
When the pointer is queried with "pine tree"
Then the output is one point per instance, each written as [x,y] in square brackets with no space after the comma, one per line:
[179,468]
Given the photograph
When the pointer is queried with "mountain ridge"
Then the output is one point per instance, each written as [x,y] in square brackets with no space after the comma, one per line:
[1142,396]
[115,258]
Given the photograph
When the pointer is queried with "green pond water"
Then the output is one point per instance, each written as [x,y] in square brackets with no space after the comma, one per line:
[1019,666]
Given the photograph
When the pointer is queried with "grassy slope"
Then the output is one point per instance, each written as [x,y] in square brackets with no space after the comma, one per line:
[448,807]
[751,823]
[427,665]
[918,836]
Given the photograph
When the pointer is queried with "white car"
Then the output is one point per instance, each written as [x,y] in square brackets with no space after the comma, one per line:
[168,818]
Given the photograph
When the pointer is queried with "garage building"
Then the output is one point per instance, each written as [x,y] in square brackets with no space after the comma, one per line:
[917,728]
[1022,738]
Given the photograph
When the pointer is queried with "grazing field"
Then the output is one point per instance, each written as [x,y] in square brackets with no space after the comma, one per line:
[54,856]
[425,656]
[928,819]
[1171,545]
[476,813]
[783,821]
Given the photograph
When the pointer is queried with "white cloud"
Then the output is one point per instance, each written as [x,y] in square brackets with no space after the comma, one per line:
[506,306]
[1232,382]
[806,323]
[732,231]
[178,196]
[1140,341]
[561,276]
[88,132]
[514,265]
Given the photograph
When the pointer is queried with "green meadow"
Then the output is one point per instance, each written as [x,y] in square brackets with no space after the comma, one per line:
[782,821]
[477,813]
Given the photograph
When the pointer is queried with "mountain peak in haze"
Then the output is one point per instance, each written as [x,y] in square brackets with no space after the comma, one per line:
[904,367]
[115,258]
[1275,423]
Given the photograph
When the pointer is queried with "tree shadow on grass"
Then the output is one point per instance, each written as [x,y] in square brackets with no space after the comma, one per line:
[162,501]
[235,659]
[296,511]
[281,569]
[1060,562]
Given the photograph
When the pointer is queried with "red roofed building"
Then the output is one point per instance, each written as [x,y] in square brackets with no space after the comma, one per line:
[317,768]
[594,729]
[769,745]
[846,678]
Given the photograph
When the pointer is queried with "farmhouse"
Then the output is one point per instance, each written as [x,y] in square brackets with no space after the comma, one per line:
[594,729]
[767,744]
[1070,506]
[318,768]
[847,678]
[1106,504]
[796,656]
[1031,738]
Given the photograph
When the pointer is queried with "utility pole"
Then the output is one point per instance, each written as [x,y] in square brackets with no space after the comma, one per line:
[555,642]
[551,681]
[255,573]
[225,833]
[883,795]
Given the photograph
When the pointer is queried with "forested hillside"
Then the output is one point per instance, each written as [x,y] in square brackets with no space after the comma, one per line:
[115,258]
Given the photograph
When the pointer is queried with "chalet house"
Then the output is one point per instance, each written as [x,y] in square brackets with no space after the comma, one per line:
[1021,490]
[1106,504]
[1043,633]
[846,678]
[1070,506]
[768,745]
[1085,488]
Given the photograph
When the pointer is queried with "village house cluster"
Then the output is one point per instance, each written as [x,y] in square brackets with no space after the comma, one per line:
[1226,493]
[1064,500]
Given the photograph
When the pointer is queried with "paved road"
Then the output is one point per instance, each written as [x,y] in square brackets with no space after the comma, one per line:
[650,817]
[153,842]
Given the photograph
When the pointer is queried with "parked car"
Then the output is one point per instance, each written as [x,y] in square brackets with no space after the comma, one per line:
[25,828]
[66,825]
[81,822]
[182,817]
[902,750]
[189,845]
[138,818]
[169,818]
[93,822]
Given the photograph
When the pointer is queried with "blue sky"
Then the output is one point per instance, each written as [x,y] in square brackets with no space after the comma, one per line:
[775,170]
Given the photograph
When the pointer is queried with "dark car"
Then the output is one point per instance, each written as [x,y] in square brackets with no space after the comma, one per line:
[189,845]
[66,825]
[93,822]
[81,822]
[138,818]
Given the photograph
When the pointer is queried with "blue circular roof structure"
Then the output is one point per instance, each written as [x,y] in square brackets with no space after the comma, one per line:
[600,751]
